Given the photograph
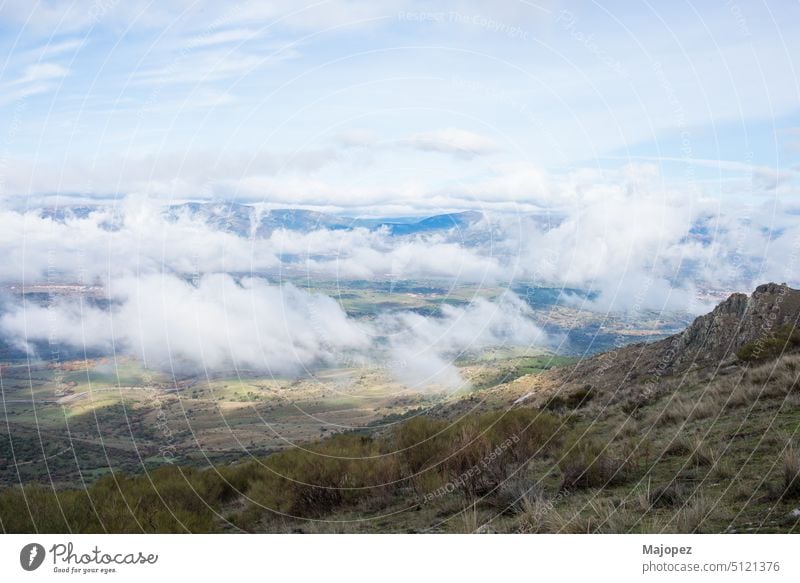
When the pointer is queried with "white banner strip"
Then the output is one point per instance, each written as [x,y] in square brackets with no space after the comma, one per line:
[387,558]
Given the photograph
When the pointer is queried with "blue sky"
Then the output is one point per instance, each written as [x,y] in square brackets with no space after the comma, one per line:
[396,106]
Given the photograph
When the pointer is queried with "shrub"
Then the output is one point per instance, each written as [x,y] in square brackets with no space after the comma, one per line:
[564,400]
[511,493]
[419,443]
[346,469]
[586,464]
[312,482]
[770,346]
[164,501]
[667,496]
[35,508]
[477,452]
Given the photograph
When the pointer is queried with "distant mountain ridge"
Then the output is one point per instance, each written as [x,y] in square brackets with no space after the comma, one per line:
[247,220]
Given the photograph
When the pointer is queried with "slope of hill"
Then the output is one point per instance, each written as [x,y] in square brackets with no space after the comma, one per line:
[710,344]
[694,433]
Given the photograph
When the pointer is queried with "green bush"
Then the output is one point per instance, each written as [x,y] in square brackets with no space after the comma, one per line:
[586,463]
[311,481]
[477,452]
[772,345]
[570,400]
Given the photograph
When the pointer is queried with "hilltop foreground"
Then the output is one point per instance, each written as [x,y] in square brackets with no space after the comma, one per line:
[694,433]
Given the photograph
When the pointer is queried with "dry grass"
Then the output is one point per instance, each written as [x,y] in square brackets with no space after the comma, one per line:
[704,409]
[693,515]
[469,520]
[778,377]
[681,410]
[723,470]
[743,395]
[699,451]
[680,445]
[632,428]
[641,497]
[676,411]
[791,472]
[702,454]
[513,491]
[537,515]
[599,516]
[772,380]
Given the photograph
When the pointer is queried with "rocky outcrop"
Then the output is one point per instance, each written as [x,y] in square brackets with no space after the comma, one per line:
[740,319]
[640,371]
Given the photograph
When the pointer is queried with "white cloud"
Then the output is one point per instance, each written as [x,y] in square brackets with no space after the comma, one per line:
[223,324]
[144,242]
[55,49]
[218,324]
[36,79]
[356,138]
[606,228]
[220,37]
[454,141]
[424,348]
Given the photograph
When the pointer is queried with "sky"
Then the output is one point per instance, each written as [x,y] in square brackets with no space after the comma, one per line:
[394,107]
[663,139]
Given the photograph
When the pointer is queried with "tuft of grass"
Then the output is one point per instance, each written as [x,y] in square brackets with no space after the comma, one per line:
[669,495]
[469,521]
[676,411]
[679,446]
[510,495]
[681,409]
[599,516]
[702,454]
[743,395]
[723,469]
[704,409]
[691,518]
[791,472]
[537,515]
[640,498]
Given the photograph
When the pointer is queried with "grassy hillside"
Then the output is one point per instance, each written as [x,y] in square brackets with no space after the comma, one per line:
[697,432]
[706,452]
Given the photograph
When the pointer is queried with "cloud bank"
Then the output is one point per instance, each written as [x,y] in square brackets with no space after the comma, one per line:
[195,290]
[614,233]
[220,323]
